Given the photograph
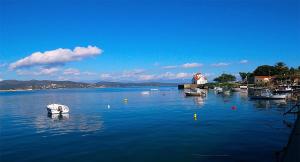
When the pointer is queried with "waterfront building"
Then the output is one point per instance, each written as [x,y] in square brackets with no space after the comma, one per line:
[199,79]
[262,79]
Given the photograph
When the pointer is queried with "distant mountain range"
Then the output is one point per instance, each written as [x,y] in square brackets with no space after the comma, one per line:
[49,84]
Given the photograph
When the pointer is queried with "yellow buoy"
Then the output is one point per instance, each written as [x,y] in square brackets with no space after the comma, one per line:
[195,116]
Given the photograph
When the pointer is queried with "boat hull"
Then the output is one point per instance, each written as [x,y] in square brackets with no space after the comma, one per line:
[274,97]
[57,109]
[194,94]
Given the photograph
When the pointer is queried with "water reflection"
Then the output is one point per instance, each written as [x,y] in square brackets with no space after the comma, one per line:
[199,100]
[57,124]
[59,116]
[244,95]
[269,103]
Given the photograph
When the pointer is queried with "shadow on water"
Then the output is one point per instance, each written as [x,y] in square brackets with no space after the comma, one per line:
[58,116]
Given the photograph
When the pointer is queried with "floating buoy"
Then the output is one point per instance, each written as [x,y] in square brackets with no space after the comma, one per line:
[108,106]
[125,100]
[195,116]
[233,107]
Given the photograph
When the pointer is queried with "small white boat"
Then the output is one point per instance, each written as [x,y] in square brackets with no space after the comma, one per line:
[267,95]
[195,92]
[218,89]
[57,109]
[244,87]
[153,89]
[283,89]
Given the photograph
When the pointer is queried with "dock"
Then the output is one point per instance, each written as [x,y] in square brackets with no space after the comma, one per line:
[190,86]
[292,151]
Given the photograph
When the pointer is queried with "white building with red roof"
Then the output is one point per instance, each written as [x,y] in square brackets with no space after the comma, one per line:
[198,78]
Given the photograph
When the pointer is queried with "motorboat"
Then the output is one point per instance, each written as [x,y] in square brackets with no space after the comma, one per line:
[267,95]
[244,87]
[284,89]
[57,109]
[218,89]
[196,92]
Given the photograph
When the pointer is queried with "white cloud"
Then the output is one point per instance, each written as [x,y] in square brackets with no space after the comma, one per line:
[89,73]
[220,64]
[191,65]
[169,75]
[131,74]
[186,65]
[41,71]
[1,79]
[170,67]
[64,78]
[58,56]
[244,61]
[146,77]
[71,71]
[105,76]
[183,75]
[48,71]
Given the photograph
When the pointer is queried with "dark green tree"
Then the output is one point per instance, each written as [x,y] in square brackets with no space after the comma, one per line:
[266,70]
[225,78]
[281,69]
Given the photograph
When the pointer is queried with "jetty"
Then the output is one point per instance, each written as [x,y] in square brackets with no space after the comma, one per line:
[291,152]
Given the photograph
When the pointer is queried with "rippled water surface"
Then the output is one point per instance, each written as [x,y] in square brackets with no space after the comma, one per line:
[159,126]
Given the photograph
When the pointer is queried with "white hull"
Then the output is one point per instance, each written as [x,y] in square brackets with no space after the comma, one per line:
[57,109]
[273,97]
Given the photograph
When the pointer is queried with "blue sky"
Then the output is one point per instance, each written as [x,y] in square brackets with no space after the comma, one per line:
[146,40]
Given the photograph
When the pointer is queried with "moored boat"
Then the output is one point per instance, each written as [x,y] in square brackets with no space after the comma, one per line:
[196,92]
[266,94]
[57,109]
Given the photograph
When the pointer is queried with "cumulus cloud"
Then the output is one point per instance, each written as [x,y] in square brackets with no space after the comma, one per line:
[89,73]
[41,71]
[57,56]
[71,71]
[244,61]
[220,64]
[180,75]
[143,76]
[170,67]
[191,65]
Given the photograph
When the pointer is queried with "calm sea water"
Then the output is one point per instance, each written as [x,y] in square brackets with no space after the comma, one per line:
[155,127]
